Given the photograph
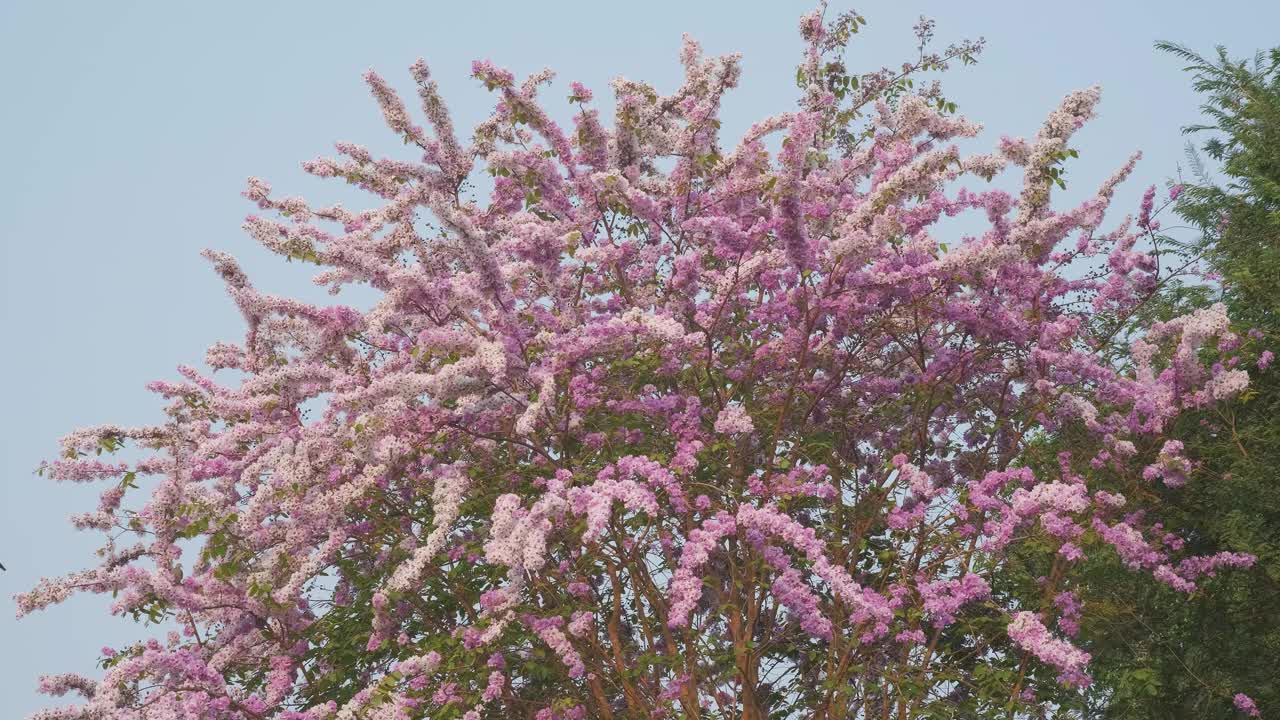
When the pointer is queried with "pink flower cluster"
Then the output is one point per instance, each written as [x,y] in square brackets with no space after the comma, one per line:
[1246,705]
[942,599]
[1026,630]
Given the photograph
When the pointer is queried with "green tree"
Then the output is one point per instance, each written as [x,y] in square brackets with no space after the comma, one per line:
[1161,653]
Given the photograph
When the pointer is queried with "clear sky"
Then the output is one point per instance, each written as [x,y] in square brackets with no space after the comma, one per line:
[127,130]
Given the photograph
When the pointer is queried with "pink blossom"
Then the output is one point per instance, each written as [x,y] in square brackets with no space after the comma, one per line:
[733,420]
[1246,705]
[1029,633]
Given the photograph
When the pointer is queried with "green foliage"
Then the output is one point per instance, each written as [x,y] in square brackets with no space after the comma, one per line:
[1161,653]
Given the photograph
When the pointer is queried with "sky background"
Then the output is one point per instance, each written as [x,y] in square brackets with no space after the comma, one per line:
[127,130]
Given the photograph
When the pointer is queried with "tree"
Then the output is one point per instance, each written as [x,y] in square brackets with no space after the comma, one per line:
[1165,654]
[658,427]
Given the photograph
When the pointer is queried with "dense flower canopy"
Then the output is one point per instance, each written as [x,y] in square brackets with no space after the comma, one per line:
[661,427]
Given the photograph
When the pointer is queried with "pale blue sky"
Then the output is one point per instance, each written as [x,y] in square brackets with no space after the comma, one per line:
[127,130]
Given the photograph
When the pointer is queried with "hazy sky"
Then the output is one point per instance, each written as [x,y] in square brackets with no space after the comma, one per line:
[127,130]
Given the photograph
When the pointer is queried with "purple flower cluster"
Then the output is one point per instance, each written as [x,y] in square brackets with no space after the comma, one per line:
[1026,630]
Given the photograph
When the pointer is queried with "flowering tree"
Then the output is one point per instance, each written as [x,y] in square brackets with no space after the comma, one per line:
[659,428]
